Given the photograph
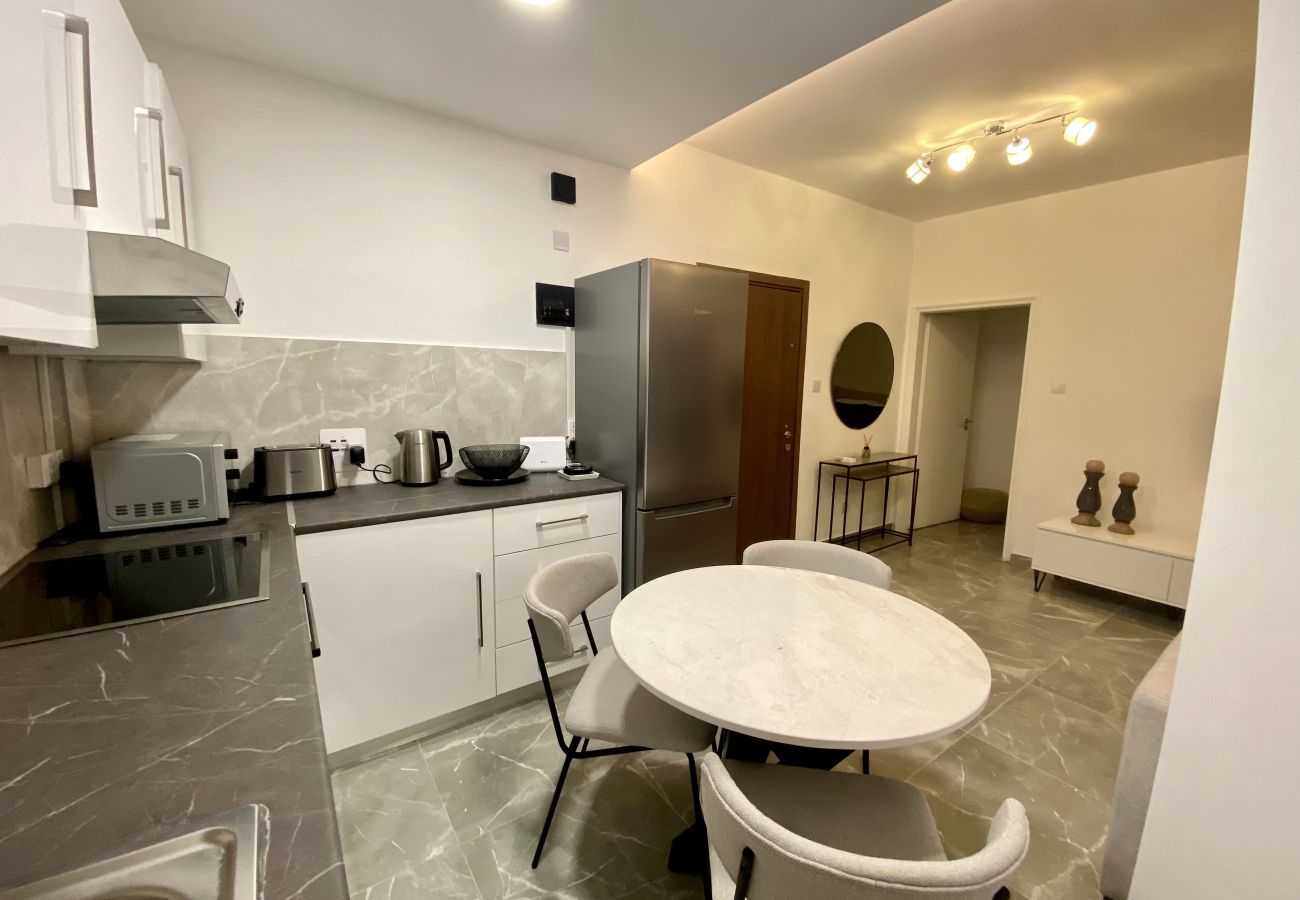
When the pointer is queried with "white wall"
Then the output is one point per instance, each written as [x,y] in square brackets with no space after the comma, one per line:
[1132,286]
[348,217]
[1225,813]
[995,400]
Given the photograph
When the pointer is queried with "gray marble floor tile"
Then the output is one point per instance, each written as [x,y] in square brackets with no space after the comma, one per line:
[491,772]
[397,837]
[967,783]
[1102,671]
[1058,736]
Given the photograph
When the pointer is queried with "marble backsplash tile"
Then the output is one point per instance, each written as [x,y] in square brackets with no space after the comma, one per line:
[26,515]
[281,390]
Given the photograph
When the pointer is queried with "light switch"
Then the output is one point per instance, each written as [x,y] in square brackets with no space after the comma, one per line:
[1058,387]
[817,385]
[560,240]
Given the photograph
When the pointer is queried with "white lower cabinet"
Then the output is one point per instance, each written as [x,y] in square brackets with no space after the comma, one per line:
[419,619]
[530,537]
[517,663]
[404,623]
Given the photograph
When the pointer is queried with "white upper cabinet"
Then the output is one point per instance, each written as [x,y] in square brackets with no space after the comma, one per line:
[124,142]
[44,268]
[90,141]
[167,166]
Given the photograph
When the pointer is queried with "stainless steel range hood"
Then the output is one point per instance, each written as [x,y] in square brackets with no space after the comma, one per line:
[151,281]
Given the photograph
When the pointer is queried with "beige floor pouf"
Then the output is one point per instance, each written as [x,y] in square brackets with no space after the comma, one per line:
[984,505]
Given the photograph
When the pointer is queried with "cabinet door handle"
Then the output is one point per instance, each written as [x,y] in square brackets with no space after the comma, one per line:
[311,620]
[89,195]
[180,200]
[581,518]
[478,580]
[155,116]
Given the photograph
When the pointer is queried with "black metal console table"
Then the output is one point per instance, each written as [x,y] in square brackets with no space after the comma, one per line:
[882,465]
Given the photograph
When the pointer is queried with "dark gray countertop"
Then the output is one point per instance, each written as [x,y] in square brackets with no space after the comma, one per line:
[116,739]
[378,503]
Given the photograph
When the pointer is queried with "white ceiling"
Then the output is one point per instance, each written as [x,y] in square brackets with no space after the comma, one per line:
[611,80]
[1169,81]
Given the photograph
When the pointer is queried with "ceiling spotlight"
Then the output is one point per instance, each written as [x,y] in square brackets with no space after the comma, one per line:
[1080,130]
[961,157]
[919,170]
[538,2]
[1019,151]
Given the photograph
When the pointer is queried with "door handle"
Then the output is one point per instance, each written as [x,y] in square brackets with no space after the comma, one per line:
[89,195]
[478,582]
[581,518]
[966,423]
[180,199]
[155,116]
[311,620]
[789,433]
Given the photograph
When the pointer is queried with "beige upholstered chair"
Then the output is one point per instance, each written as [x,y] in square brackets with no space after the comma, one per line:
[608,704]
[777,832]
[816,556]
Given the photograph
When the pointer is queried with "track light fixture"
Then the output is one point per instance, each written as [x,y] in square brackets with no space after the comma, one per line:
[961,157]
[1019,150]
[1076,130]
[920,170]
[1079,130]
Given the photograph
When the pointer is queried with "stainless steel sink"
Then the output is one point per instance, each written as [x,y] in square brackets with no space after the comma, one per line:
[220,860]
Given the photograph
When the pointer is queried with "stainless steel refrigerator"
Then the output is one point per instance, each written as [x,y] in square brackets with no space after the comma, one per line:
[659,372]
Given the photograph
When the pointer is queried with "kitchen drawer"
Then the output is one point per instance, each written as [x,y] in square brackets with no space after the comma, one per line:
[1180,582]
[535,525]
[1117,567]
[517,663]
[515,569]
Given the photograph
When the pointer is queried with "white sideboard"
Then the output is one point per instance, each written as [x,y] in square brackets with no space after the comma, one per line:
[1152,566]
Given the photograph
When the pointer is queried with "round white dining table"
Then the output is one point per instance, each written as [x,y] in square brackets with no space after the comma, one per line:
[800,657]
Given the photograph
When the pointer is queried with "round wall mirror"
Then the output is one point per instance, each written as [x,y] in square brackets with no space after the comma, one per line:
[863,375]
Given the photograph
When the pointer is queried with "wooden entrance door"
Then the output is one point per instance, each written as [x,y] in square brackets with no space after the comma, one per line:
[769,437]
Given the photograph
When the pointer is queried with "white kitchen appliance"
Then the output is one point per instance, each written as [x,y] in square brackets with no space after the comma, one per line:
[545,454]
[154,480]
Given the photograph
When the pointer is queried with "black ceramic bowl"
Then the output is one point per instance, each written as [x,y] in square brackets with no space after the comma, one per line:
[493,460]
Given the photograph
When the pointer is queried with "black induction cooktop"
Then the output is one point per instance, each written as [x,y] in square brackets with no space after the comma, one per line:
[55,597]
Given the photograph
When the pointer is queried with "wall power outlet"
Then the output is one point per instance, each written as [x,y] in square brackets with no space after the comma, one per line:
[340,439]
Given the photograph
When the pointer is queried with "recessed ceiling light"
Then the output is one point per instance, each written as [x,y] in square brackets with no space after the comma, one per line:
[538,2]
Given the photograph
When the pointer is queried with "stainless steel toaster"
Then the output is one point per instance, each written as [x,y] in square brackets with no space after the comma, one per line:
[156,480]
[293,470]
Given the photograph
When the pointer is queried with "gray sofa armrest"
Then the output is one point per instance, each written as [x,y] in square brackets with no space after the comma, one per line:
[1137,771]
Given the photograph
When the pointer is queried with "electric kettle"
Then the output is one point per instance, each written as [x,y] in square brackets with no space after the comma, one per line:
[420,456]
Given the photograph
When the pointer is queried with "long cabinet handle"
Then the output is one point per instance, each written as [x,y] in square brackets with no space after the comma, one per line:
[478,581]
[311,620]
[89,195]
[180,200]
[581,518]
[155,116]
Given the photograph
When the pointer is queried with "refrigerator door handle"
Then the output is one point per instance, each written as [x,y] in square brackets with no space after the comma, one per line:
[691,509]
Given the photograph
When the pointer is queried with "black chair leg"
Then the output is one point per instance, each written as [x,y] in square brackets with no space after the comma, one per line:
[699,826]
[555,800]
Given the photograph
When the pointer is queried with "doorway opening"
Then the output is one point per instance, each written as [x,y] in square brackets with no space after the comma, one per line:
[970,378]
